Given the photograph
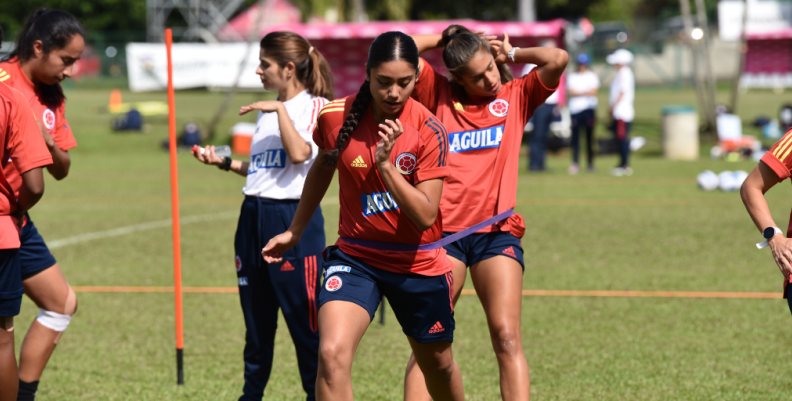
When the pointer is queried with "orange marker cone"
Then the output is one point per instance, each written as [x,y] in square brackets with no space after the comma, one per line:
[115,101]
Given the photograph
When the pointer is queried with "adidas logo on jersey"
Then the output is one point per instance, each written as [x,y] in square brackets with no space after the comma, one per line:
[286,267]
[437,328]
[510,252]
[359,162]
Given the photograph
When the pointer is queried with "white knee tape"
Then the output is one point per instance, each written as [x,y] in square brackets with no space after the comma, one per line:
[52,320]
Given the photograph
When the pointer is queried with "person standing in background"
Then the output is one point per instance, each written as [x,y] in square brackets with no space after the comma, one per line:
[281,155]
[622,110]
[542,118]
[583,85]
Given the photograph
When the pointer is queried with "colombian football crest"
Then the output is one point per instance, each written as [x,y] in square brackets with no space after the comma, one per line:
[499,107]
[49,119]
[406,163]
[333,284]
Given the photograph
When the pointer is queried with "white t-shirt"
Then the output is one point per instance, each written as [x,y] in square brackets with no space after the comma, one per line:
[271,174]
[624,82]
[582,82]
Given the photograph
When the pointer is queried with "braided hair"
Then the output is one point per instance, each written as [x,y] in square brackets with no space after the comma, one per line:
[389,46]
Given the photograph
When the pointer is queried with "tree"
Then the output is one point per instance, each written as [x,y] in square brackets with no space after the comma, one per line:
[95,15]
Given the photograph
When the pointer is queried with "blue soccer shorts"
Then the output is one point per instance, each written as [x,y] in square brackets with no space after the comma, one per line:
[422,304]
[477,247]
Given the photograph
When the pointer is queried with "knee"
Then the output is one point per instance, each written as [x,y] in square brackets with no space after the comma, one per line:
[335,360]
[59,321]
[507,342]
[440,366]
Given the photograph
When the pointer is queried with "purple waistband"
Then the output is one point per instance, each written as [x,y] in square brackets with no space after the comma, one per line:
[390,246]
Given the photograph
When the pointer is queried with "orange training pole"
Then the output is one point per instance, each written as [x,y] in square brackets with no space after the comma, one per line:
[174,176]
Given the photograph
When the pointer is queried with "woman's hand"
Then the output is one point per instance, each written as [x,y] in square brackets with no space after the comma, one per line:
[265,106]
[278,245]
[389,132]
[782,253]
[500,48]
[208,157]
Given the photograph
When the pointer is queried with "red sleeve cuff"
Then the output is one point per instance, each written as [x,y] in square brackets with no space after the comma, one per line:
[781,170]
[28,165]
[542,84]
[432,173]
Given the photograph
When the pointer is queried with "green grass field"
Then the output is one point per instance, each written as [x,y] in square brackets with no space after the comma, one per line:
[653,231]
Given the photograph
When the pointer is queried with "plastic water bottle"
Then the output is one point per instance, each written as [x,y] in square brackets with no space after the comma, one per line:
[220,151]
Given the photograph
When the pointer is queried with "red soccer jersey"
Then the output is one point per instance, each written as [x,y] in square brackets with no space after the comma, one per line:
[368,211]
[24,146]
[779,159]
[485,136]
[53,118]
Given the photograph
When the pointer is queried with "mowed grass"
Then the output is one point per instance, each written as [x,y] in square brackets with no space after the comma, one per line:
[652,231]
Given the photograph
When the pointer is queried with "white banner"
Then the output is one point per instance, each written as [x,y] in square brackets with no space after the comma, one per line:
[195,65]
[763,17]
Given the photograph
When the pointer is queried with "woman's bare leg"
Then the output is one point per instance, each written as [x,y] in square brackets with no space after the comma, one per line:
[498,283]
[442,376]
[414,383]
[341,326]
[50,291]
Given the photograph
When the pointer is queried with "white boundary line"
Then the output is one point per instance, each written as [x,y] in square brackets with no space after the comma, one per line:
[115,232]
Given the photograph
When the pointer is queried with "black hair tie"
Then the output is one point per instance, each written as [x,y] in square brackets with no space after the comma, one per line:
[453,35]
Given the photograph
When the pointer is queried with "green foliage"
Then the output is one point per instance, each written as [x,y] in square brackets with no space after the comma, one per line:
[95,15]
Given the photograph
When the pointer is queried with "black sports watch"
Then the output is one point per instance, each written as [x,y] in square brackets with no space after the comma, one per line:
[226,164]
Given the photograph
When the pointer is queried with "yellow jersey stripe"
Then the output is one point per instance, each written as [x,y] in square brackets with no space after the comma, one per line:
[783,145]
[330,109]
[788,149]
[3,79]
[3,73]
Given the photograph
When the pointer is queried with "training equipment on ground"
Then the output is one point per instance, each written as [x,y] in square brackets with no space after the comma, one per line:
[726,181]
[707,181]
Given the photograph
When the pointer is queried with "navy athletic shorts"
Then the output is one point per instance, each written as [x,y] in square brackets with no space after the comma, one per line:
[34,256]
[477,247]
[422,304]
[10,283]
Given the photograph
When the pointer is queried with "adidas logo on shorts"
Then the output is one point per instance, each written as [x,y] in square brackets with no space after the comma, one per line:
[437,328]
[358,162]
[510,252]
[286,267]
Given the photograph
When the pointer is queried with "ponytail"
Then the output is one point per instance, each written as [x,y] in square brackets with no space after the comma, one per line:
[311,68]
[359,107]
[320,79]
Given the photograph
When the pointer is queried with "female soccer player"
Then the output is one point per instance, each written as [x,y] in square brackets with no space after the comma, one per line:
[390,153]
[24,146]
[281,154]
[47,47]
[774,167]
[485,112]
